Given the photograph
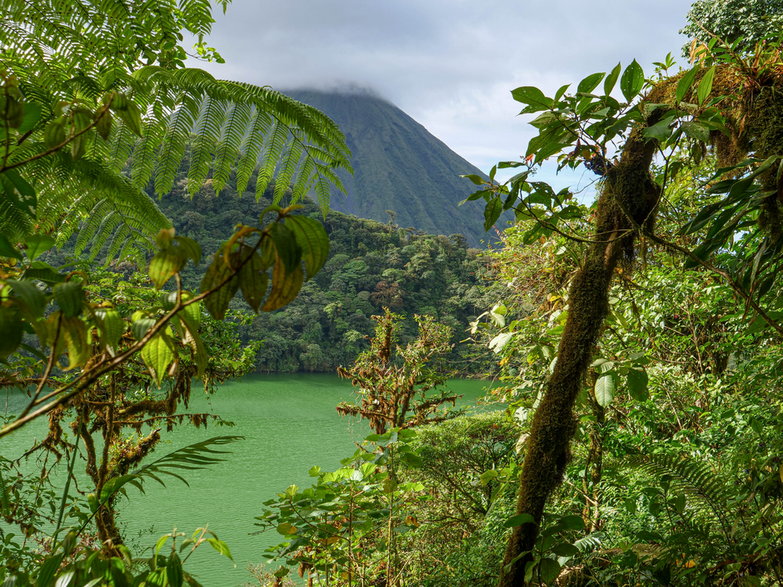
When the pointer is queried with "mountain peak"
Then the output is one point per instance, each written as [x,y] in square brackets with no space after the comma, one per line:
[399,166]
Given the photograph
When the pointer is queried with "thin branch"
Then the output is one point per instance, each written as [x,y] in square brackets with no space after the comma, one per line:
[48,371]
[87,378]
[101,113]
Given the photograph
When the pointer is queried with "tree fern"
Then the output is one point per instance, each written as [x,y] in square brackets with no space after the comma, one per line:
[77,56]
[174,144]
[228,149]
[251,148]
[273,150]
[207,132]
[288,169]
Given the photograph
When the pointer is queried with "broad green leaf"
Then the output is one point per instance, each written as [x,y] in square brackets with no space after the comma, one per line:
[189,248]
[10,330]
[632,81]
[518,520]
[191,312]
[288,249]
[174,572]
[661,131]
[38,244]
[220,546]
[492,212]
[570,522]
[475,179]
[111,326]
[533,97]
[697,131]
[218,273]
[488,476]
[548,570]
[73,335]
[131,116]
[140,325]
[32,116]
[588,84]
[605,387]
[498,343]
[32,298]
[544,119]
[7,249]
[158,354]
[705,85]
[54,133]
[637,380]
[611,79]
[565,549]
[286,529]
[43,272]
[156,578]
[313,240]
[685,83]
[21,186]
[253,280]
[285,286]
[69,295]
[164,265]
[103,125]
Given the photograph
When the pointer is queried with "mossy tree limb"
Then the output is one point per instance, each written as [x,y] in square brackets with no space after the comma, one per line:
[628,199]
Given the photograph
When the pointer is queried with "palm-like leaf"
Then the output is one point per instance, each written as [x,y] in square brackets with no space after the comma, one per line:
[190,458]
[75,52]
[696,478]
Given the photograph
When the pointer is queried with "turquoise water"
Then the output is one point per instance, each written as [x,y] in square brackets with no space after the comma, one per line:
[289,424]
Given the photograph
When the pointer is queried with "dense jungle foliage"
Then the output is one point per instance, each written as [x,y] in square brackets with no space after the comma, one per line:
[371,266]
[637,438]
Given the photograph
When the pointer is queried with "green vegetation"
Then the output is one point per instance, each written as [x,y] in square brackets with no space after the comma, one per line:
[111,365]
[371,266]
[639,438]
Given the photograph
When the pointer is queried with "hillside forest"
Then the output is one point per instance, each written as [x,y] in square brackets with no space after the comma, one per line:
[161,227]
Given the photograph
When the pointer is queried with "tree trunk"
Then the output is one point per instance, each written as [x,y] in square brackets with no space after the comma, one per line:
[628,200]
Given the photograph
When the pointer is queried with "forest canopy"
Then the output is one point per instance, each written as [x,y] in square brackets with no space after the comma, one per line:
[637,435]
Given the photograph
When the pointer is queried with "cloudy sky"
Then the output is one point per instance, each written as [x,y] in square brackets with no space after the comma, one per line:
[450,64]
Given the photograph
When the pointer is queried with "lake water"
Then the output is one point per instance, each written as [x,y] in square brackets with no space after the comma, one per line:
[289,424]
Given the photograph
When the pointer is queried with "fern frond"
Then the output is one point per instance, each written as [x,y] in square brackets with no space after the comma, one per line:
[273,150]
[145,151]
[698,479]
[247,125]
[108,208]
[207,133]
[228,149]
[174,144]
[288,169]
[190,458]
[251,148]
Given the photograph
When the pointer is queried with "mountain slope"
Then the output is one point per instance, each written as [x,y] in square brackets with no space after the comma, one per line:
[399,166]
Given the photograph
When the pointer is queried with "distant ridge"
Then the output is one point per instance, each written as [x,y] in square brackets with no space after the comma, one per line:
[399,166]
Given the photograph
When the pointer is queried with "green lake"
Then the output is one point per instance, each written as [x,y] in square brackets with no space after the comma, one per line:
[289,424]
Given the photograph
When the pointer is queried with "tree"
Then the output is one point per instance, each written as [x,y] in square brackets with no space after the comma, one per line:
[89,86]
[724,101]
[733,20]
[393,380]
[89,90]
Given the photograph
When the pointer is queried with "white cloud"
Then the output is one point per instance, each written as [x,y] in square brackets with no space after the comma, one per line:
[450,64]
